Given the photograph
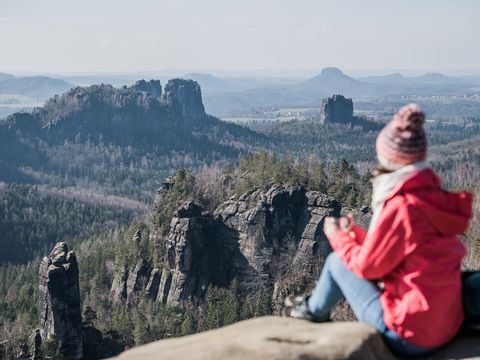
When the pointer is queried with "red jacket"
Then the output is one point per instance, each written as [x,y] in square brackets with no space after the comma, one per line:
[414,249]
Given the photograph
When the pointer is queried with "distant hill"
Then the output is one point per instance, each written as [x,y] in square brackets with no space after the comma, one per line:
[333,81]
[4,76]
[37,87]
[208,82]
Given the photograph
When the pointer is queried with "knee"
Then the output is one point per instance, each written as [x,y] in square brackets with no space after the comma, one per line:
[333,261]
[332,258]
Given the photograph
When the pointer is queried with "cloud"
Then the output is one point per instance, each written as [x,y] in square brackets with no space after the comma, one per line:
[3,19]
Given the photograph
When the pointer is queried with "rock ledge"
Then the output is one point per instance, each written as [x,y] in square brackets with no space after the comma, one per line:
[284,338]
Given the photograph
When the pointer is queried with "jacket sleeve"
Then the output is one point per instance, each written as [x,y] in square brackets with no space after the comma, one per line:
[382,249]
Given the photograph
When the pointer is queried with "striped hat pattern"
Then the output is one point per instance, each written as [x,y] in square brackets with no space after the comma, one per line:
[402,141]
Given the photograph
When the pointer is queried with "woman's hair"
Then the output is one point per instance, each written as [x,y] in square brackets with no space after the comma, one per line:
[380,170]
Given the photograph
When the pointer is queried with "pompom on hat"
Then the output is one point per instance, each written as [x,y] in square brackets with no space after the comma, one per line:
[402,141]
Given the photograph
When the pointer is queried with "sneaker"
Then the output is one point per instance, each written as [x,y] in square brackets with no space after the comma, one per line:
[295,306]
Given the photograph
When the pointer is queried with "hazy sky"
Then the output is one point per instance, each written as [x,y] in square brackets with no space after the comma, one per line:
[149,35]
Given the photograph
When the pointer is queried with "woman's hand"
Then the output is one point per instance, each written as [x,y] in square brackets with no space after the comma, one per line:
[346,222]
[330,225]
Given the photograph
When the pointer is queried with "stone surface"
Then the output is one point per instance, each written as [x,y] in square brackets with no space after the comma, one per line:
[290,339]
[336,109]
[59,301]
[271,338]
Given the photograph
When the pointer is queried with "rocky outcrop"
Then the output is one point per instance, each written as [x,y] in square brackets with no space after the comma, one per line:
[253,237]
[152,87]
[289,339]
[197,255]
[59,301]
[138,279]
[336,110]
[187,94]
[118,292]
[107,114]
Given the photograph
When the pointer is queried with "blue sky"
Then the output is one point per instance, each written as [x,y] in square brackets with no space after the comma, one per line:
[148,35]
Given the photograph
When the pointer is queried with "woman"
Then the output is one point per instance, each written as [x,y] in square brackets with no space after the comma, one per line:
[411,248]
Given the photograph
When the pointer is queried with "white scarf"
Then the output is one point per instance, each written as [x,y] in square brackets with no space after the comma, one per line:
[384,184]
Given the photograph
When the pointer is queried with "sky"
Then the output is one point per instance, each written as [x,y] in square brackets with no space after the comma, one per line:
[109,36]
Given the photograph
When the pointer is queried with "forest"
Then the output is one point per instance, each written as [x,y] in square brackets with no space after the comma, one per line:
[98,190]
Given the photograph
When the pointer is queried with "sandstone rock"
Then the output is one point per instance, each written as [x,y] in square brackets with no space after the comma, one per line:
[59,301]
[247,237]
[196,256]
[289,339]
[186,94]
[118,291]
[138,279]
[271,338]
[154,283]
[152,87]
[336,109]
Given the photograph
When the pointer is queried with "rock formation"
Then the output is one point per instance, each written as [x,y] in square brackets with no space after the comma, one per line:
[59,301]
[152,87]
[60,316]
[250,237]
[336,109]
[290,339]
[188,95]
[108,114]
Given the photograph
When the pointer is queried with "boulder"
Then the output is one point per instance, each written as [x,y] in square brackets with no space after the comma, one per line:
[289,339]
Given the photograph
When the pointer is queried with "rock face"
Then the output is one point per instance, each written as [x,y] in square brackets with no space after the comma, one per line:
[152,87]
[187,94]
[59,301]
[252,237]
[336,109]
[289,339]
[197,256]
[119,115]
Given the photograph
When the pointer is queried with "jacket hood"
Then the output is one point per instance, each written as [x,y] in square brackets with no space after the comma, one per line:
[448,212]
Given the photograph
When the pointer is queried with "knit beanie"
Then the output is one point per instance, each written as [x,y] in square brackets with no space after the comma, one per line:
[402,141]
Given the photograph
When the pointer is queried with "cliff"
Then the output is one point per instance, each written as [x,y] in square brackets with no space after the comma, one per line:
[256,237]
[289,339]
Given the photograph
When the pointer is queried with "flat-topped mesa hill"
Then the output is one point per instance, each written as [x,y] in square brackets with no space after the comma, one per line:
[116,114]
[154,121]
